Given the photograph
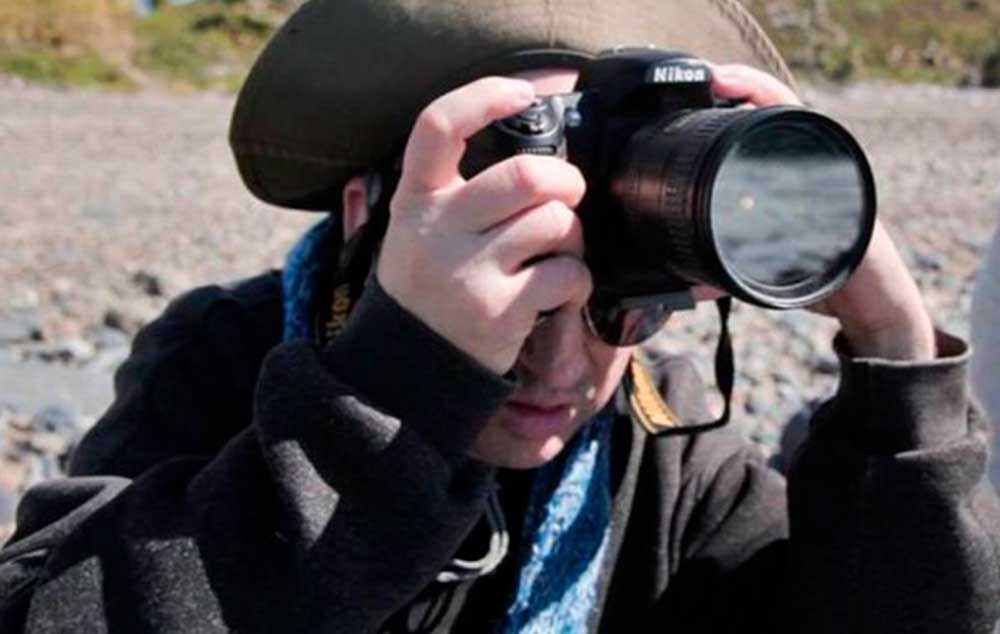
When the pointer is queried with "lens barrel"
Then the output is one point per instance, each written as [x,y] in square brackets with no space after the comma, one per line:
[775,205]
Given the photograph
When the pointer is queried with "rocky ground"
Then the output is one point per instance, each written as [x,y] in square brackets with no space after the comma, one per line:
[113,204]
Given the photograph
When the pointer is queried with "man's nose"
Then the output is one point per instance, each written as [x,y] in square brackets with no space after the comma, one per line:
[555,353]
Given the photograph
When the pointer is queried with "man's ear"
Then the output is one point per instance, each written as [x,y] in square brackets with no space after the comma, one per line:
[355,206]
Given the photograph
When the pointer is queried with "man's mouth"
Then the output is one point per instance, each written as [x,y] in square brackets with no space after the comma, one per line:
[537,420]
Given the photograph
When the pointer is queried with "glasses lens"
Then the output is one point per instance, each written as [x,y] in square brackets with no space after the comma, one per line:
[620,326]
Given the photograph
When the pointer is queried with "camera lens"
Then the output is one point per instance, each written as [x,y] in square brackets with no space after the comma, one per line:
[775,205]
[787,203]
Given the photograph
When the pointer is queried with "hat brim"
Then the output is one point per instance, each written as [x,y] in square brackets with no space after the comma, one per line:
[338,87]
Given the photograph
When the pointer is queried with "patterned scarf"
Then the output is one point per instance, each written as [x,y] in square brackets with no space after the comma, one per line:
[566,532]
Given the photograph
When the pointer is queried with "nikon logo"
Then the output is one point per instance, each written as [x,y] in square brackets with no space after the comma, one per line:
[679,75]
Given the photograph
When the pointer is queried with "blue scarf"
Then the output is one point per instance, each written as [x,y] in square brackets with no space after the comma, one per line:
[568,519]
[565,532]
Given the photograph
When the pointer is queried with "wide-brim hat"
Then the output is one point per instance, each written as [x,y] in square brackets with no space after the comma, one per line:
[338,87]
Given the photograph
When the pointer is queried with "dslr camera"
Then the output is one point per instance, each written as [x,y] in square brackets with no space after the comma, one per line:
[774,205]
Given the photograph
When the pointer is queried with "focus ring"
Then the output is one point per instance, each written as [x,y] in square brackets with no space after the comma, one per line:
[659,187]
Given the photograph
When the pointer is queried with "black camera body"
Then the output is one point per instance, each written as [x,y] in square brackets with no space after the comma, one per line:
[774,205]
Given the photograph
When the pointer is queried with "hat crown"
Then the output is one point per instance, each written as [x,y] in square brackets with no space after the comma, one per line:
[338,87]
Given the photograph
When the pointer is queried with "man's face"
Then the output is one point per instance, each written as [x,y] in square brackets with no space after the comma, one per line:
[566,375]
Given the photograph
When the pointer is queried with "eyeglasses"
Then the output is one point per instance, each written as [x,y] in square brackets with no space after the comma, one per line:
[628,321]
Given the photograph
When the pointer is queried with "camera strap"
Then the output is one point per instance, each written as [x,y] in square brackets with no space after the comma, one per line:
[355,262]
[725,369]
[653,413]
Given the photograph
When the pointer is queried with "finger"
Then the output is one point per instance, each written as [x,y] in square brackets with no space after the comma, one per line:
[510,186]
[437,142]
[557,281]
[737,81]
[552,228]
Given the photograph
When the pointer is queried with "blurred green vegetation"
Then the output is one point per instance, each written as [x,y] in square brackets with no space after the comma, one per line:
[939,41]
[77,42]
[87,70]
[209,44]
[205,44]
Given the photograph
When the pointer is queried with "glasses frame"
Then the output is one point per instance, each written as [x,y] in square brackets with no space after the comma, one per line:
[662,304]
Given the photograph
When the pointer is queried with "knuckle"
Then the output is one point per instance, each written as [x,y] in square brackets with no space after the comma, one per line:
[402,203]
[433,120]
[577,277]
[579,183]
[527,175]
[556,220]
[564,231]
[565,179]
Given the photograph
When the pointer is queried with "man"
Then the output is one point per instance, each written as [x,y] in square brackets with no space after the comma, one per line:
[465,453]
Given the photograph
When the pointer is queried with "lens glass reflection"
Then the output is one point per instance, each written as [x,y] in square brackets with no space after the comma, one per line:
[787,203]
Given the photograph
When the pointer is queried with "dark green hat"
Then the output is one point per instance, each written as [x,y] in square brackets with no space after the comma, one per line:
[338,87]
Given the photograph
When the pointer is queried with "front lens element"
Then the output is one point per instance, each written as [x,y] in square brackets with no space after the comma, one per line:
[787,204]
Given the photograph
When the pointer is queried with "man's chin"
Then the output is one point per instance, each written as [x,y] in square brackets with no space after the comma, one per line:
[523,457]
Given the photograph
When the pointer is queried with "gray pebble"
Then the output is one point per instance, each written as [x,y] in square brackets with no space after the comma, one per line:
[929,260]
[23,298]
[104,338]
[17,329]
[79,350]
[114,320]
[108,359]
[68,351]
[8,508]
[55,420]
[148,283]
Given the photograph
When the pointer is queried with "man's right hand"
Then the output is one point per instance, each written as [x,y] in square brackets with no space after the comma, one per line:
[477,260]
